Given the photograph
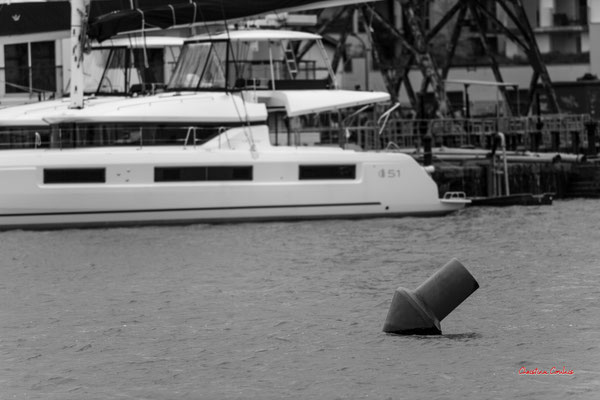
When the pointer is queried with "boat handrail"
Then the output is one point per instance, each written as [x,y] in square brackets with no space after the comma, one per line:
[83,135]
[392,147]
[221,131]
[187,137]
[455,196]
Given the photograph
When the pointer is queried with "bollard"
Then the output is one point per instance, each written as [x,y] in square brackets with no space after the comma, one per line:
[420,313]
[427,152]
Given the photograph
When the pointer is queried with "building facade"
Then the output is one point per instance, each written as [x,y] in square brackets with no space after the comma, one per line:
[35,49]
[564,31]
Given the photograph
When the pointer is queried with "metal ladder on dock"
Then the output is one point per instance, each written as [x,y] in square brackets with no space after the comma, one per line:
[290,60]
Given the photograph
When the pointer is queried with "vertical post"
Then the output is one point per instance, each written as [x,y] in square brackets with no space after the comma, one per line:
[493,177]
[78,21]
[468,114]
[590,128]
[539,125]
[536,136]
[575,142]
[427,151]
[422,121]
[504,162]
[367,88]
[555,140]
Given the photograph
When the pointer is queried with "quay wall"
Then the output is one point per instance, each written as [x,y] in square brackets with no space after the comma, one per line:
[536,178]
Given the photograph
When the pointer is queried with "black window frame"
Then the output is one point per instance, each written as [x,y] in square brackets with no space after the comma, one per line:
[327,172]
[62,176]
[221,173]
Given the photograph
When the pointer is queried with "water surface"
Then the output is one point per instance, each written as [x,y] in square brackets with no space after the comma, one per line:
[295,310]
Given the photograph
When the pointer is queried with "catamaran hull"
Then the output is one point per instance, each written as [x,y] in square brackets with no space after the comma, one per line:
[99,219]
[383,186]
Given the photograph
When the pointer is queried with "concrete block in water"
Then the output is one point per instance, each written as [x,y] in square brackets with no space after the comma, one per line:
[421,311]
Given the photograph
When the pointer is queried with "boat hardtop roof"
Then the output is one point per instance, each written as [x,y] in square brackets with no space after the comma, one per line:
[242,35]
[170,107]
[33,114]
[218,107]
[303,102]
[140,42]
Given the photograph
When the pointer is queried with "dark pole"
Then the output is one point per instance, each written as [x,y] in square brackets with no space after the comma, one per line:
[425,136]
[467,114]
[537,135]
[591,137]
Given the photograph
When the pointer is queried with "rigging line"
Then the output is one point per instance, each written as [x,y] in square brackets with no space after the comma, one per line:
[209,34]
[246,119]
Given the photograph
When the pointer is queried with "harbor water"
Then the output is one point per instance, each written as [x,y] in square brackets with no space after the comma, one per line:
[295,310]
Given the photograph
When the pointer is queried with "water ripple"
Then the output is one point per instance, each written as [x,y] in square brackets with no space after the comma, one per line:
[295,310]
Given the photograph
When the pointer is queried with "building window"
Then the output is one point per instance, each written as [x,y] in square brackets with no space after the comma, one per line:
[16,65]
[30,67]
[75,175]
[327,172]
[193,174]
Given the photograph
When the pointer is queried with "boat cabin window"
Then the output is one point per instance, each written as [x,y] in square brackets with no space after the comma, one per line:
[273,65]
[192,174]
[201,66]
[24,137]
[74,175]
[124,71]
[246,64]
[131,134]
[310,172]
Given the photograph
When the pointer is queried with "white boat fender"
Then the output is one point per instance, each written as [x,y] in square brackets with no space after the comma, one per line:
[420,312]
[430,169]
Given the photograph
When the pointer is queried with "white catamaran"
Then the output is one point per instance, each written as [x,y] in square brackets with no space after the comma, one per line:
[201,151]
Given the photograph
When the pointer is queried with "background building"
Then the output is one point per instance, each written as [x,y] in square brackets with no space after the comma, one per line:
[564,31]
[35,49]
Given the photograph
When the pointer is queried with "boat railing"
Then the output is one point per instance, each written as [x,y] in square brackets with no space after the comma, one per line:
[455,196]
[546,133]
[223,134]
[258,74]
[113,135]
[190,132]
[560,133]
[24,138]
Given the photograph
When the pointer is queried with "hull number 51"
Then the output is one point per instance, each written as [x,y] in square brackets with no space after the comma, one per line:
[389,173]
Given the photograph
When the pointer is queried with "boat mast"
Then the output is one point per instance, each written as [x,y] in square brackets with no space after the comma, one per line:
[79,14]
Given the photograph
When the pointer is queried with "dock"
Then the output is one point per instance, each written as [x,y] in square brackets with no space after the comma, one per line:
[545,153]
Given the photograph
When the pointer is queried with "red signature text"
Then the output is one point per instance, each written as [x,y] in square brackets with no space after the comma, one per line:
[551,371]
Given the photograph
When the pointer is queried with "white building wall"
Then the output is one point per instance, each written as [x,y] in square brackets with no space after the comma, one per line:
[594,42]
[546,12]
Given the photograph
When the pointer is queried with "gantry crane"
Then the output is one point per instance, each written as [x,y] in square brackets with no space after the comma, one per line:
[415,38]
